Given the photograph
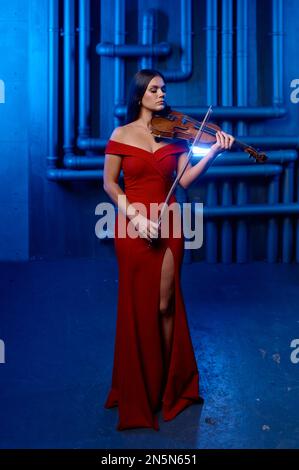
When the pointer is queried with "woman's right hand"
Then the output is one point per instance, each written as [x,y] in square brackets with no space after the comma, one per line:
[146,228]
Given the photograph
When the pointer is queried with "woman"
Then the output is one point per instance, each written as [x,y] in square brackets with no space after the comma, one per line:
[154,363]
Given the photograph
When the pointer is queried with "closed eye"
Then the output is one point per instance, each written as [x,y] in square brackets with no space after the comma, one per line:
[153,90]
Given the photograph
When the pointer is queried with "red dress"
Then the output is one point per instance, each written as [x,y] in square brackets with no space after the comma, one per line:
[140,385]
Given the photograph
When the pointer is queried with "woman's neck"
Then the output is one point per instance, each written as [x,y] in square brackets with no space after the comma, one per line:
[145,118]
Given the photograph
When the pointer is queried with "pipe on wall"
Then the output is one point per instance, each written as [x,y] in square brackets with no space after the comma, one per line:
[91,143]
[62,174]
[242,226]
[211,53]
[267,142]
[218,112]
[288,177]
[227,112]
[226,228]
[241,158]
[273,141]
[162,49]
[273,190]
[244,171]
[288,196]
[69,76]
[147,36]
[242,100]
[90,168]
[249,210]
[211,227]
[211,253]
[242,59]
[227,58]
[97,161]
[272,229]
[186,63]
[226,100]
[277,51]
[54,32]
[119,64]
[213,173]
[84,68]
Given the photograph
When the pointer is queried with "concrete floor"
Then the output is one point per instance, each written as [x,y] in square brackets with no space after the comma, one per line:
[58,324]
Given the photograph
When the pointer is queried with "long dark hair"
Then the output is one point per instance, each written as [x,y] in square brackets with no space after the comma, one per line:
[137,89]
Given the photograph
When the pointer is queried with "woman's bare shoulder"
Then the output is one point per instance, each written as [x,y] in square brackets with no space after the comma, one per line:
[120,133]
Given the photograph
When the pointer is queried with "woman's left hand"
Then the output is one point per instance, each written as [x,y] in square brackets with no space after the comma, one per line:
[223,142]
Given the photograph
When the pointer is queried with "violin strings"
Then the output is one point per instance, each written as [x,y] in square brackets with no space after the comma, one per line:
[213,132]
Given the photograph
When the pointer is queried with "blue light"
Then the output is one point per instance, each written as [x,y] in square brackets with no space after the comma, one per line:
[200,151]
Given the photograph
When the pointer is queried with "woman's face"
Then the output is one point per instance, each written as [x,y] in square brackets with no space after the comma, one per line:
[154,96]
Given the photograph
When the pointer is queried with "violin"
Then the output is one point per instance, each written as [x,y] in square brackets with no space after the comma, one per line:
[176,125]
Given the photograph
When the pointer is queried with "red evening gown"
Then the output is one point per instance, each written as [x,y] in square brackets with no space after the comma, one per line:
[140,385]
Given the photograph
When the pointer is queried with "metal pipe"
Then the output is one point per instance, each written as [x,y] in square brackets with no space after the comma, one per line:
[52,156]
[242,171]
[147,36]
[245,171]
[186,63]
[242,227]
[273,141]
[211,52]
[84,68]
[211,227]
[97,161]
[119,64]
[242,158]
[272,235]
[227,112]
[226,229]
[162,49]
[212,99]
[283,142]
[288,196]
[277,51]
[250,210]
[57,174]
[242,100]
[242,58]
[227,58]
[84,162]
[69,76]
[91,143]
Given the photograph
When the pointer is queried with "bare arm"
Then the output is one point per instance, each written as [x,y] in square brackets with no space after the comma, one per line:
[224,142]
[112,169]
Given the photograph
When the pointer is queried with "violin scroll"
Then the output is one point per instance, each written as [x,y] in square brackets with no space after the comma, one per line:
[259,157]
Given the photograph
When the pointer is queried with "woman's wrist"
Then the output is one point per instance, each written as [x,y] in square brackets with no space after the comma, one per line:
[212,154]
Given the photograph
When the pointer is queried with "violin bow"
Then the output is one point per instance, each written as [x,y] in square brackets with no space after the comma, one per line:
[179,176]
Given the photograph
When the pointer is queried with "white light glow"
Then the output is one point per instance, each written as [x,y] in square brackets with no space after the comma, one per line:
[200,151]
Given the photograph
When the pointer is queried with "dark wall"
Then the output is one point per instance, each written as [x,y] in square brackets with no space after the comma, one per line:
[47,209]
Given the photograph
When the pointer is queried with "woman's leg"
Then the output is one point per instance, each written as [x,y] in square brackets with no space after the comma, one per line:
[167,304]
